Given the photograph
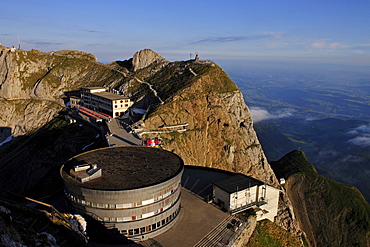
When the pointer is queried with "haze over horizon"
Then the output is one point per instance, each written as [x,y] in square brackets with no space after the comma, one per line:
[333,31]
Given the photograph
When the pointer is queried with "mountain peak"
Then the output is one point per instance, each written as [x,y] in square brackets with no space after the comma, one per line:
[144,58]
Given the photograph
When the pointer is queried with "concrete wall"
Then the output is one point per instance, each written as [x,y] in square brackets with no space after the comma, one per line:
[244,197]
[252,195]
[269,210]
[222,198]
[132,212]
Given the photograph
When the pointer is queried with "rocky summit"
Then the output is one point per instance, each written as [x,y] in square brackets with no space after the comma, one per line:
[194,94]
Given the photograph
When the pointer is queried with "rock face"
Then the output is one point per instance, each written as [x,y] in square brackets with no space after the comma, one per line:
[33,83]
[144,58]
[220,132]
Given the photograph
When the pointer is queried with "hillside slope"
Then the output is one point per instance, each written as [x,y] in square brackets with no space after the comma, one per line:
[219,132]
[30,164]
[33,83]
[330,213]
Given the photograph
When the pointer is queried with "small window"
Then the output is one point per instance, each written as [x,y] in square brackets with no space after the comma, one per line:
[154,226]
[142,229]
[136,231]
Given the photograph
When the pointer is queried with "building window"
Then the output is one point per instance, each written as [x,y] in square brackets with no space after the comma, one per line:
[154,226]
[126,105]
[136,231]
[131,232]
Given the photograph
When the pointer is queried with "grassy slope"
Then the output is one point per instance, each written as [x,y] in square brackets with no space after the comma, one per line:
[269,234]
[330,213]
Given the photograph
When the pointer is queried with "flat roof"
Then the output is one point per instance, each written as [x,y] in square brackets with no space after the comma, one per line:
[126,167]
[236,183]
[111,96]
[92,88]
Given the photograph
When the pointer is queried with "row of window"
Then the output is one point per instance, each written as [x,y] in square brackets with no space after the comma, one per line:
[116,106]
[149,228]
[137,217]
[121,205]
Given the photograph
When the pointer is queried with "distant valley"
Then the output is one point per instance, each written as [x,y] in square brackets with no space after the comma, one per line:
[324,113]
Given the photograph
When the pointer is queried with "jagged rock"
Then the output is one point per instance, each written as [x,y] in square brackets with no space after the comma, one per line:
[6,238]
[285,216]
[144,58]
[45,239]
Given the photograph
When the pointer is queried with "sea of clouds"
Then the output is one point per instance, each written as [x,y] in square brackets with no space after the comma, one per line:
[360,136]
[259,114]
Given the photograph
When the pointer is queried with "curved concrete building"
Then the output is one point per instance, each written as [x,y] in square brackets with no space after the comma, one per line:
[133,191]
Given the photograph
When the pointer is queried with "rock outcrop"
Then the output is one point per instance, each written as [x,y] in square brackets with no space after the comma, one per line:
[144,58]
[33,83]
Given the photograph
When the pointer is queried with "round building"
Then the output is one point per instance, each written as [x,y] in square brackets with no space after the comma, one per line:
[134,191]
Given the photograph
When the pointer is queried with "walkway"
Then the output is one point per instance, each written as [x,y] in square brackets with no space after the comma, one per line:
[197,219]
[119,135]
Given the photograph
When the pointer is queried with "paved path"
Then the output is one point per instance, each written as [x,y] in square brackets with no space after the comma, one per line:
[197,219]
[120,137]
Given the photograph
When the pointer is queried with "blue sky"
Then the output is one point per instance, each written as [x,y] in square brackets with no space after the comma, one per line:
[333,31]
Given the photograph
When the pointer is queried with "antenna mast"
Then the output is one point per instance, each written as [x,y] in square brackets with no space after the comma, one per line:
[19,42]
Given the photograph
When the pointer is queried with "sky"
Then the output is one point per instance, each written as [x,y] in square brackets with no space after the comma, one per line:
[318,31]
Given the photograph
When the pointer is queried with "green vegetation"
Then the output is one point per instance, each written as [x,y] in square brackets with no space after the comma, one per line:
[330,213]
[77,67]
[177,76]
[269,234]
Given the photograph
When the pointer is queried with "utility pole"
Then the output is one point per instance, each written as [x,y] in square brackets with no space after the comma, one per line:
[19,42]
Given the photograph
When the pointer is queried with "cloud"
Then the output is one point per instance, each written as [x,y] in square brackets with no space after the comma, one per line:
[323,45]
[259,114]
[363,140]
[42,43]
[362,136]
[223,39]
[359,52]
